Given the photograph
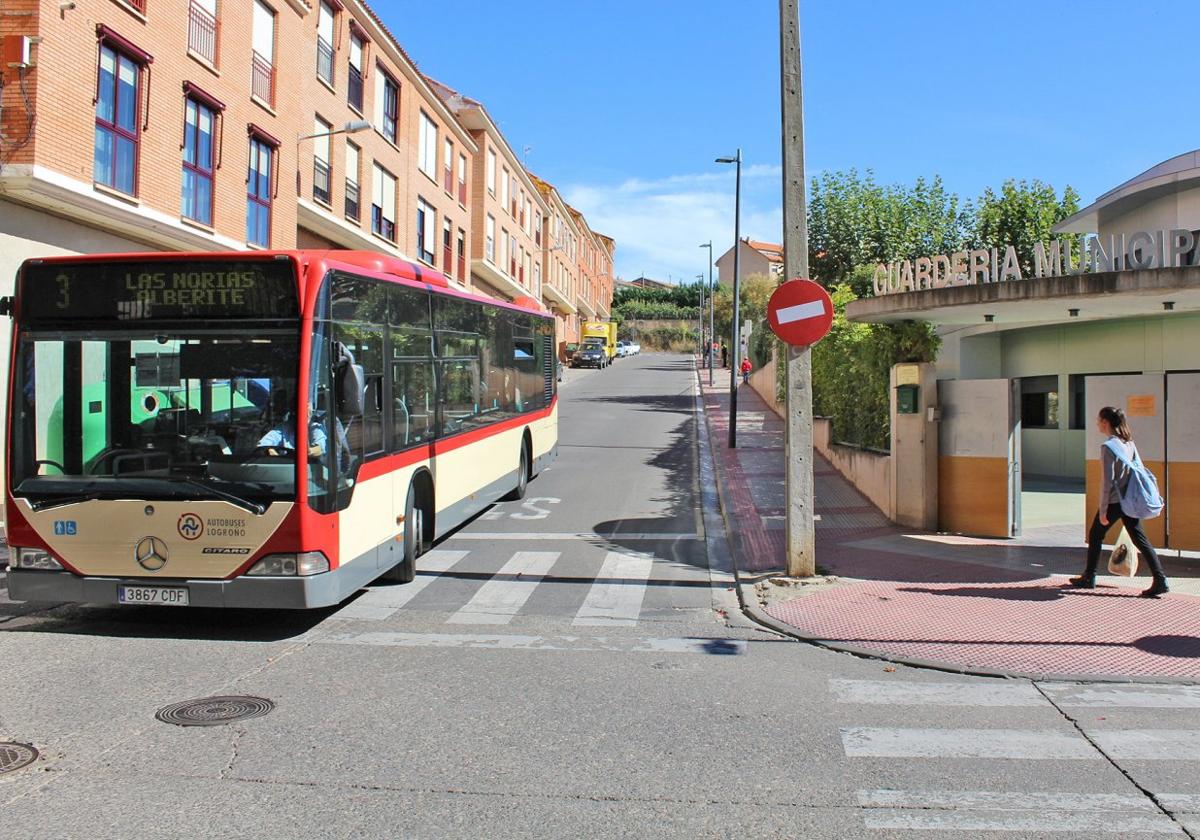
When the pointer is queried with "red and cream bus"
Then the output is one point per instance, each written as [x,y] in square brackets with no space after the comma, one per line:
[258,429]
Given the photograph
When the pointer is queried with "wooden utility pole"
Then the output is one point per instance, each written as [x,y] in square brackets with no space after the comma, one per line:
[798,446]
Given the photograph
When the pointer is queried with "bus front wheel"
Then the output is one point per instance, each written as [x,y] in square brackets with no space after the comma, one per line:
[414,541]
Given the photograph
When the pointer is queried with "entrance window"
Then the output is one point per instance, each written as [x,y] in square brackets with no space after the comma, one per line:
[1039,402]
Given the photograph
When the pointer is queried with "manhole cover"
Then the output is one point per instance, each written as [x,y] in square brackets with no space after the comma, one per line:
[15,756]
[214,711]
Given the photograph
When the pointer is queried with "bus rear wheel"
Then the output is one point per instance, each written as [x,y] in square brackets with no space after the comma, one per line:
[518,492]
[414,541]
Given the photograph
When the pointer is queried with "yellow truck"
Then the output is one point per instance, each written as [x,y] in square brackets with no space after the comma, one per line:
[604,330]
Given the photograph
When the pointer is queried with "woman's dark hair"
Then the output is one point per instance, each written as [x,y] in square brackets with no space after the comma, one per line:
[1115,417]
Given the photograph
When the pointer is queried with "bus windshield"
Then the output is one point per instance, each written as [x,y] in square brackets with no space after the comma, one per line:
[155,412]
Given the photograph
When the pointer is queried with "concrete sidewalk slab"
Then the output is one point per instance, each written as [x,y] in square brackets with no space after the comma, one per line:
[995,607]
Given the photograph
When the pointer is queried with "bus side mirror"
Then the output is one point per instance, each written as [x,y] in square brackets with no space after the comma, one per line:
[353,385]
[6,306]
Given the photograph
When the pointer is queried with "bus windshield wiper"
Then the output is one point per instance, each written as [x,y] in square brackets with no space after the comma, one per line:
[254,507]
[59,501]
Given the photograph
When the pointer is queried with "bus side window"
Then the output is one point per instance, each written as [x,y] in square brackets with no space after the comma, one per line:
[323,472]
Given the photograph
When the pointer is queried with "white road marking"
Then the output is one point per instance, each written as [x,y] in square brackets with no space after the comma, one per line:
[800,312]
[1047,744]
[616,596]
[497,641]
[578,535]
[498,600]
[1039,822]
[883,693]
[1150,744]
[1133,696]
[381,602]
[988,800]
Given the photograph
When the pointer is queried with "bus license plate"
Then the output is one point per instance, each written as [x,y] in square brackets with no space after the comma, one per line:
[156,595]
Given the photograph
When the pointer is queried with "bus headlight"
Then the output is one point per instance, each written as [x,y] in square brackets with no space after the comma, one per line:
[290,565]
[36,558]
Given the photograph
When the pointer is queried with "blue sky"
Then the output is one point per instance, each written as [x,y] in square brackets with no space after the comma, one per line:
[625,104]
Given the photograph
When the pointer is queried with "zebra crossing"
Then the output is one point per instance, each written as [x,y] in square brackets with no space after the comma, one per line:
[1122,803]
[615,594]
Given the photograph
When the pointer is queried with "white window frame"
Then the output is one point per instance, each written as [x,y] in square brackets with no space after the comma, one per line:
[491,171]
[489,243]
[428,232]
[263,34]
[427,146]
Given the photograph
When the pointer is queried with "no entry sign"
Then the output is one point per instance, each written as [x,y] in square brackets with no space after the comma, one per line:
[800,312]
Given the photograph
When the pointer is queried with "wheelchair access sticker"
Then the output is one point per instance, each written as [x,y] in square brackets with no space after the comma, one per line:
[65,528]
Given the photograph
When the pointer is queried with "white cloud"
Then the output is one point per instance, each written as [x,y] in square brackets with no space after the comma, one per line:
[659,223]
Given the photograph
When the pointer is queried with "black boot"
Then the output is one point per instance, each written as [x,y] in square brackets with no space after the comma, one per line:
[1084,581]
[1158,587]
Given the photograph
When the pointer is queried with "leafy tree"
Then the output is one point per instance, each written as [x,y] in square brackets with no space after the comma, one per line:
[1021,214]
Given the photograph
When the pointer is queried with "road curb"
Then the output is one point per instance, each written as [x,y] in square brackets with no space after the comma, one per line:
[758,616]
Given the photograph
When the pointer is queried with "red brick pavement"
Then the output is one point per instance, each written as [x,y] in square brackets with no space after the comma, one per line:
[980,606]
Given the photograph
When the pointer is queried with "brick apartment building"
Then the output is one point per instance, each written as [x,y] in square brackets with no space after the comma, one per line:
[143,125]
[595,263]
[506,210]
[560,269]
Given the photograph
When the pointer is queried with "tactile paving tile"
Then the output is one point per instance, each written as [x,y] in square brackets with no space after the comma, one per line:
[1030,627]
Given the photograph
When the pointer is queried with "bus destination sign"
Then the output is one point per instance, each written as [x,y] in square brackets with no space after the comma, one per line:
[140,291]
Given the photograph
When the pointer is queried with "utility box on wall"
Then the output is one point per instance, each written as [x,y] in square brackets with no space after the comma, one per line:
[908,399]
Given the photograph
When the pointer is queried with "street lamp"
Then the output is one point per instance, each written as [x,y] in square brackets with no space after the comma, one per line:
[700,314]
[735,347]
[711,327]
[352,127]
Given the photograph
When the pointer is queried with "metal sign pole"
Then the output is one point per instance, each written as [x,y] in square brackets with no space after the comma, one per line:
[801,529]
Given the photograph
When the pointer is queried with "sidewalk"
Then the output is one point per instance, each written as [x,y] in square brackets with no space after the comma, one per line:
[973,605]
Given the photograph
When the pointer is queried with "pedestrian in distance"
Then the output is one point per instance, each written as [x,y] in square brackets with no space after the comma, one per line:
[1121,466]
[746,368]
[724,355]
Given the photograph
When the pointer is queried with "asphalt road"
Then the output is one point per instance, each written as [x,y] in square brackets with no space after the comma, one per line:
[569,666]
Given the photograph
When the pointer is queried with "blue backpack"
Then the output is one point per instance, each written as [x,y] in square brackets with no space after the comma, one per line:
[1141,498]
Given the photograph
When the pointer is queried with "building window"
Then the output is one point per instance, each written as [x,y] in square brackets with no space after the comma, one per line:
[354,84]
[427,146]
[387,103]
[447,248]
[521,266]
[503,249]
[504,190]
[1039,402]
[489,239]
[491,171]
[462,255]
[325,42]
[118,109]
[512,211]
[258,193]
[537,228]
[202,29]
[352,157]
[321,173]
[199,121]
[512,256]
[383,204]
[448,167]
[524,204]
[462,180]
[426,231]
[262,58]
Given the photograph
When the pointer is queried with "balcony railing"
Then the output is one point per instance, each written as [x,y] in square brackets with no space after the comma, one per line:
[462,266]
[354,88]
[352,200]
[447,259]
[320,181]
[262,79]
[325,60]
[448,180]
[202,33]
[462,193]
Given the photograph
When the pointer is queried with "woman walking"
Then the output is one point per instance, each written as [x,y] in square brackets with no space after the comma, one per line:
[1114,477]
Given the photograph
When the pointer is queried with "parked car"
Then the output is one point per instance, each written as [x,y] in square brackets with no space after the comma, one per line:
[623,349]
[590,354]
[633,349]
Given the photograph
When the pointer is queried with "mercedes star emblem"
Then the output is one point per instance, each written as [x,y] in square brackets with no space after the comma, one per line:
[151,553]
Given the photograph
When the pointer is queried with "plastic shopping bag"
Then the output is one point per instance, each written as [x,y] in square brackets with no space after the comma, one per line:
[1123,560]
